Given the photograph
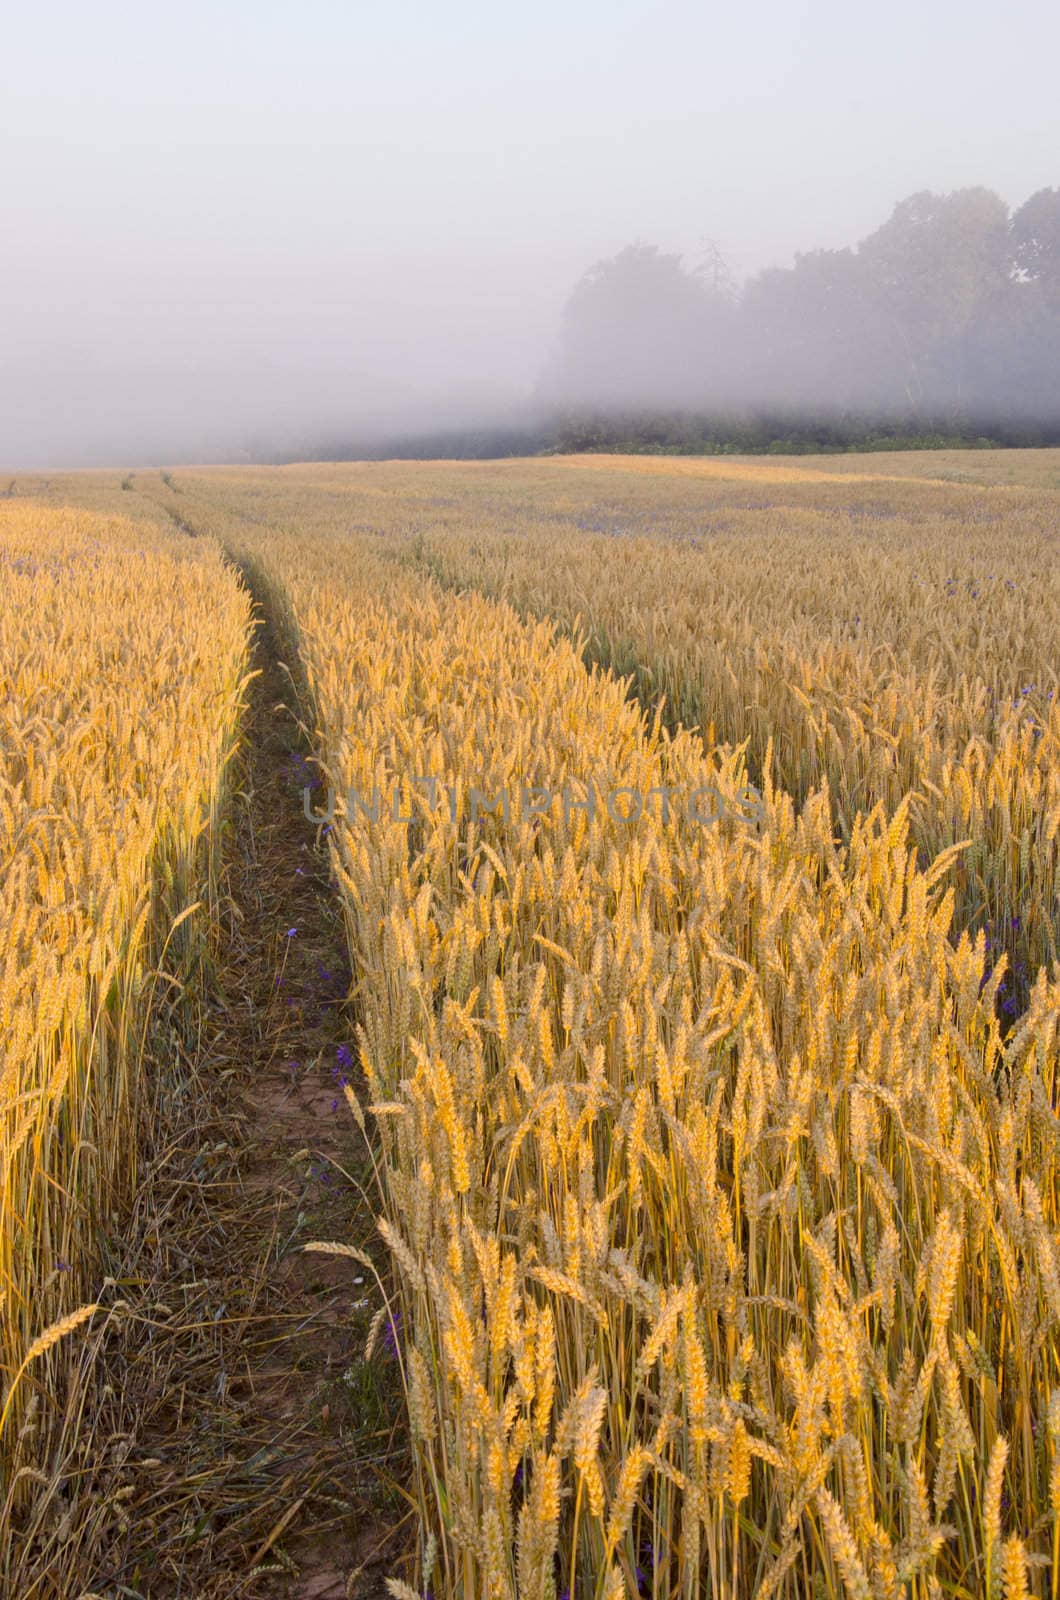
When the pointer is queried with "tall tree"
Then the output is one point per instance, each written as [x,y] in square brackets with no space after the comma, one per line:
[1035,235]
[811,335]
[930,269]
[640,330]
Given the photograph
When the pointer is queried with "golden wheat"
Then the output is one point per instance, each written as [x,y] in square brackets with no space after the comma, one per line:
[726,1103]
[721,1187]
[122,652]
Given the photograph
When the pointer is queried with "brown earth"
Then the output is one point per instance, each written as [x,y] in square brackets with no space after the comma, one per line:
[227,1437]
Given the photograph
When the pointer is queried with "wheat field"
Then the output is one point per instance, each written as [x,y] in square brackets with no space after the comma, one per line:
[122,654]
[695,831]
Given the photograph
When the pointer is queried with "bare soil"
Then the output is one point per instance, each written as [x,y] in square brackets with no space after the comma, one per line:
[229,1438]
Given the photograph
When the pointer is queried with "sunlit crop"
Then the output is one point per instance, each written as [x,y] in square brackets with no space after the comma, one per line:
[122,651]
[721,1192]
[718,1159]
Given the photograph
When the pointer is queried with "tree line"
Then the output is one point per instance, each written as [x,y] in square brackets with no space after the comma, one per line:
[942,326]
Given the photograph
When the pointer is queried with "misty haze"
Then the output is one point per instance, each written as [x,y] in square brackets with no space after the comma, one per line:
[241,237]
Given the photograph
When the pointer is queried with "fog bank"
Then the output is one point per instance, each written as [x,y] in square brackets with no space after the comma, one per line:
[247,229]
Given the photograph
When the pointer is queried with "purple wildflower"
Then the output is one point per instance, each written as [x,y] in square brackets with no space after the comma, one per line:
[390,1332]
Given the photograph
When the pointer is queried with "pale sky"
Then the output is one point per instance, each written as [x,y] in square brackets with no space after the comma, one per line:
[223,220]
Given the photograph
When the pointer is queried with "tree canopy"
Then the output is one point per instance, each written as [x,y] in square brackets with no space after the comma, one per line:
[950,309]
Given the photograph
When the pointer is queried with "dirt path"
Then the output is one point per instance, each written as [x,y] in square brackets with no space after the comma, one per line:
[253,1451]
